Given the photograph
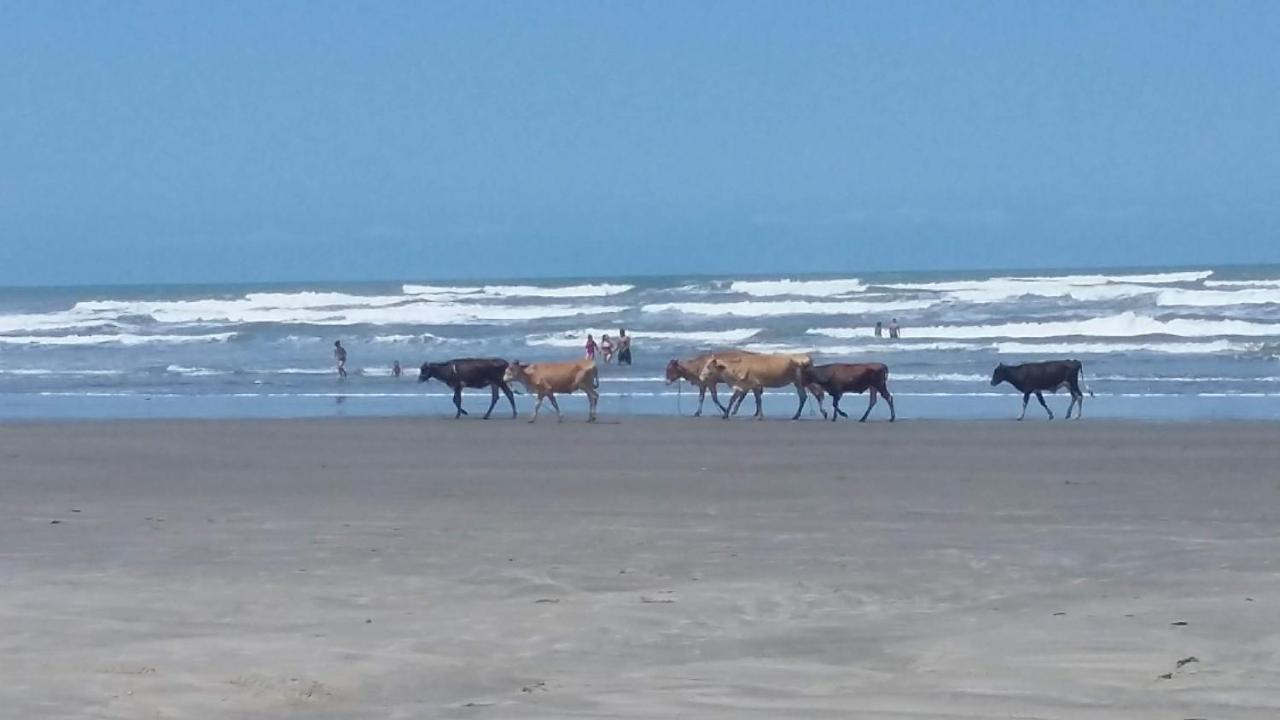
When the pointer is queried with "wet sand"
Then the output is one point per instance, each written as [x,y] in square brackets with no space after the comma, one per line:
[651,568]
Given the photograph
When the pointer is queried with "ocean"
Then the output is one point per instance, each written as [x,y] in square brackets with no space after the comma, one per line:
[1169,344]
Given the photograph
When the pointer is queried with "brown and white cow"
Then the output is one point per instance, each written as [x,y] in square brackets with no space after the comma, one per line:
[840,378]
[691,369]
[547,379]
[753,373]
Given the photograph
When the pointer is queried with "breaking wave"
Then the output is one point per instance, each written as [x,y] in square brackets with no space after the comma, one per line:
[576,338]
[750,309]
[125,339]
[1126,324]
[818,288]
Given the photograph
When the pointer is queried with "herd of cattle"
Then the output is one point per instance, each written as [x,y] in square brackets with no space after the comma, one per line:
[743,371]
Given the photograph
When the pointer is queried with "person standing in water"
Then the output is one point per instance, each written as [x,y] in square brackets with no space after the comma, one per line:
[879,329]
[591,347]
[623,348]
[893,329]
[340,357]
[395,369]
[606,348]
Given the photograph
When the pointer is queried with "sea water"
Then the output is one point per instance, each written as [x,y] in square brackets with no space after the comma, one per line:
[1198,343]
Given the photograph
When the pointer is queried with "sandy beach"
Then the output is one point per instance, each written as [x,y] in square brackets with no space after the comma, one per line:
[646,569]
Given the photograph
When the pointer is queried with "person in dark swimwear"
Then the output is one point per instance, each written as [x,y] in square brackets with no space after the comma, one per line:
[395,369]
[340,357]
[879,329]
[894,332]
[624,347]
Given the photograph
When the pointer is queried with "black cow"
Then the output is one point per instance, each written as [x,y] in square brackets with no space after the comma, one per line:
[1034,378]
[840,378]
[471,373]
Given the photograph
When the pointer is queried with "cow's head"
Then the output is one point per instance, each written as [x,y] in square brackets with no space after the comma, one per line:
[428,371]
[1000,375]
[673,371]
[515,371]
[711,371]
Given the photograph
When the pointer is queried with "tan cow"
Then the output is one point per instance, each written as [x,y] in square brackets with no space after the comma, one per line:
[691,369]
[547,379]
[754,373]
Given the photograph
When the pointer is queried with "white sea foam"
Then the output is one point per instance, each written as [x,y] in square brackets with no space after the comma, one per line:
[402,339]
[786,307]
[577,338]
[1012,347]
[520,291]
[124,339]
[1002,289]
[816,288]
[1178,297]
[1213,347]
[252,309]
[1146,278]
[195,371]
[1085,288]
[1121,325]
[1242,283]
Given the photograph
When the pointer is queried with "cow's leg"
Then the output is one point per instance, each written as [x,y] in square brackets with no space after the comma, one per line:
[506,390]
[759,393]
[836,412]
[556,405]
[593,396]
[457,402]
[884,392]
[702,398]
[740,395]
[1044,404]
[536,408]
[715,397]
[871,392]
[819,394]
[734,401]
[493,400]
[1079,405]
[1025,398]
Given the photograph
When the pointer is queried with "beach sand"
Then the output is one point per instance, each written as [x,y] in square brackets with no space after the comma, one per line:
[653,568]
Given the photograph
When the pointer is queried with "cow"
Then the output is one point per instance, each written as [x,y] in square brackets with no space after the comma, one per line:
[691,369]
[1036,377]
[471,373]
[547,379]
[755,372]
[840,378]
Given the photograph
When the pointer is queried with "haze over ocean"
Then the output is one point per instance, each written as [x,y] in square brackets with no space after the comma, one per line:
[1194,343]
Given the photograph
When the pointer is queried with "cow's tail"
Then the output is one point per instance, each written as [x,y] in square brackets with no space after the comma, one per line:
[1086,385]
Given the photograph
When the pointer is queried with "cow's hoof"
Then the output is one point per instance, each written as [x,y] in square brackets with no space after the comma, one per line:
[532,422]
[698,414]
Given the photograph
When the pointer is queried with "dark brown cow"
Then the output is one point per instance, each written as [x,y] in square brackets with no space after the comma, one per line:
[471,373]
[840,378]
[1034,378]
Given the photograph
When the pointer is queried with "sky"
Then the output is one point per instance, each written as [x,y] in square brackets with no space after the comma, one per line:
[292,141]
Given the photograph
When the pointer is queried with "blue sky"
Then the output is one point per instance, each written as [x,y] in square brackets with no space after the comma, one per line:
[146,142]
